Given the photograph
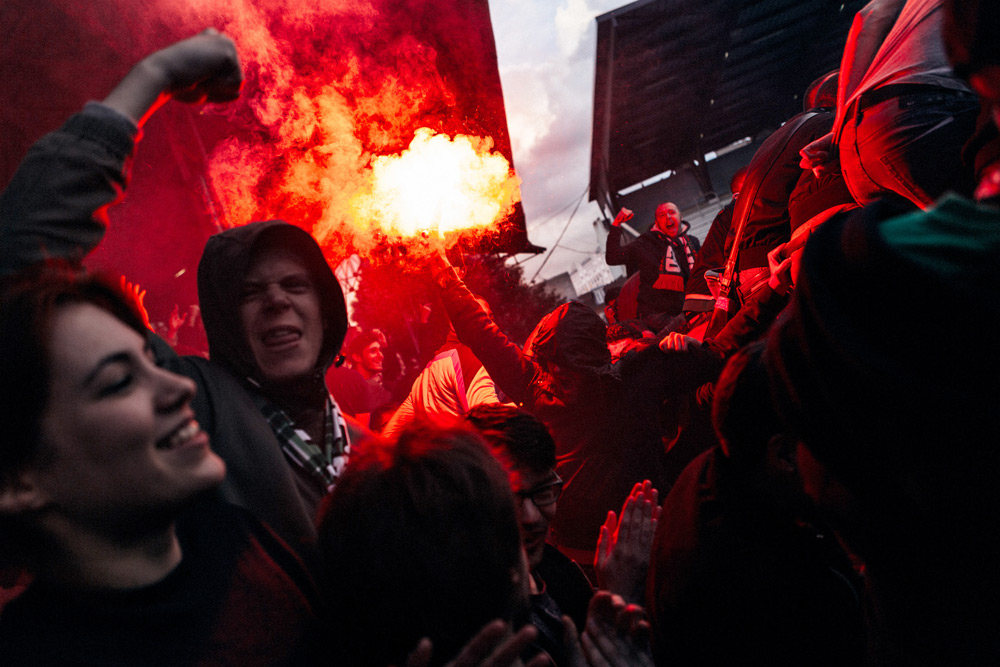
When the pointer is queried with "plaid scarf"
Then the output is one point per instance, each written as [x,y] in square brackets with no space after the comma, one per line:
[324,464]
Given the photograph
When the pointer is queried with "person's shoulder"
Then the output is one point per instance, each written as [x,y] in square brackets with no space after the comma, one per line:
[566,583]
[212,378]
[344,376]
[356,431]
[213,531]
[559,569]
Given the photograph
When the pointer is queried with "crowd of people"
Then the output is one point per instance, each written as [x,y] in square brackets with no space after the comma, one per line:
[786,454]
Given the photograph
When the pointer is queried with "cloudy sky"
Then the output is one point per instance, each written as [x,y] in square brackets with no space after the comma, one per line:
[546,54]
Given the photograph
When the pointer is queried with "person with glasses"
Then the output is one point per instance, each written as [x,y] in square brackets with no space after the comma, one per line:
[527,452]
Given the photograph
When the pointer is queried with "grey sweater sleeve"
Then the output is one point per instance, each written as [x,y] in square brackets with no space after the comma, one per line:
[56,204]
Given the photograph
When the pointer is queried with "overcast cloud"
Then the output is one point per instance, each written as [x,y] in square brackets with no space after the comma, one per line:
[545,50]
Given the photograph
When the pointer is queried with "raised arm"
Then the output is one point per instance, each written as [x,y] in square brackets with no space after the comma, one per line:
[199,69]
[56,204]
[510,369]
[614,252]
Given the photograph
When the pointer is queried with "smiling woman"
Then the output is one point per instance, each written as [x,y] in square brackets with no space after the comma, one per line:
[118,434]
[103,474]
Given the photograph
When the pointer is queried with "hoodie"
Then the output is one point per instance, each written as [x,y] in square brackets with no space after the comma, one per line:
[226,260]
[55,207]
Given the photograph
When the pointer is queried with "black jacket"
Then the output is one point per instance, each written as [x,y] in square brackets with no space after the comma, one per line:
[646,255]
[771,177]
[734,579]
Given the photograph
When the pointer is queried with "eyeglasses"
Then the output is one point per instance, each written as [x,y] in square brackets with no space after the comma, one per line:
[544,495]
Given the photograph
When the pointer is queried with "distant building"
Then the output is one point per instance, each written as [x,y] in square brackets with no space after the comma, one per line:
[562,285]
[592,274]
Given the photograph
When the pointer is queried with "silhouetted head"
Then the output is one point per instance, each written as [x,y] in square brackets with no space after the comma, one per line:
[420,539]
[822,93]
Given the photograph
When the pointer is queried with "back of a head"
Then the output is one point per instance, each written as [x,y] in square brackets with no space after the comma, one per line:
[742,412]
[419,539]
[822,93]
[517,438]
[573,337]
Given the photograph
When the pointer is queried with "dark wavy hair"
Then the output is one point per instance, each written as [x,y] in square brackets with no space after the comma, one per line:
[28,303]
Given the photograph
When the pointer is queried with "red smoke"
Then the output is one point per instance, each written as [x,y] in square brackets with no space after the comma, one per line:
[332,92]
[331,85]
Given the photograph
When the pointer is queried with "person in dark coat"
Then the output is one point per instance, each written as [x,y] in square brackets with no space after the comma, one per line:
[603,417]
[527,453]
[273,311]
[663,257]
[738,573]
[895,417]
[771,178]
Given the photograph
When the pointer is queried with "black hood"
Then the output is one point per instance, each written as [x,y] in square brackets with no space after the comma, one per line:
[573,337]
[225,262]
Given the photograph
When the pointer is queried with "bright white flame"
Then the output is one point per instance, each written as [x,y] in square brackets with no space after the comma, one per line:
[438,184]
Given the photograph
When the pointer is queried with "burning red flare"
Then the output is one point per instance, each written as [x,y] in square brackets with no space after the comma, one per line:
[437,184]
[326,124]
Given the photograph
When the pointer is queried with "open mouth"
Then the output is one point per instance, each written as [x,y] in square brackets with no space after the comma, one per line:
[180,436]
[280,337]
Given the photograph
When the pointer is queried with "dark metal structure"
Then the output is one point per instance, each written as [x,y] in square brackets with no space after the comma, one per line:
[676,79]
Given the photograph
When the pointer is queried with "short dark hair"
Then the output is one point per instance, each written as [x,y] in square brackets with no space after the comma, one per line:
[28,303]
[517,438]
[419,539]
[365,338]
[622,330]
